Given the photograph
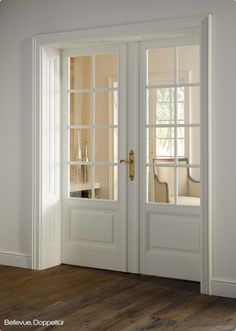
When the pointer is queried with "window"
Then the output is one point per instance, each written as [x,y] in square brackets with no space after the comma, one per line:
[173,124]
[164,106]
[93,109]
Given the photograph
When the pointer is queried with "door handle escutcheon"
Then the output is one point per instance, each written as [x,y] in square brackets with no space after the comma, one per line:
[130,162]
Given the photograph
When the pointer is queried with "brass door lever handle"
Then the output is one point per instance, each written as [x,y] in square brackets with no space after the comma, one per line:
[126,161]
[130,162]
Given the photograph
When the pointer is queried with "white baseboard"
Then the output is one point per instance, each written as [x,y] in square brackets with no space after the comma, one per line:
[14,259]
[223,288]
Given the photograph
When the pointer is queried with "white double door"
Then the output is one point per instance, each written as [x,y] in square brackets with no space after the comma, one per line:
[117,98]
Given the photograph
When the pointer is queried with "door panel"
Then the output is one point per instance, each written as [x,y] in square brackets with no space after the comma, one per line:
[94,139]
[170,160]
[51,190]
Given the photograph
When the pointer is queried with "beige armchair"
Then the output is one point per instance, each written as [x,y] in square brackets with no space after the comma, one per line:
[188,188]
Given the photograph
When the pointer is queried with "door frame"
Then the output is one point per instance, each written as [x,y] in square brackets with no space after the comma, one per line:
[126,33]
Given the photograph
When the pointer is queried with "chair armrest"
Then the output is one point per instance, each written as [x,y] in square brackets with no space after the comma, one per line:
[193,187]
[161,191]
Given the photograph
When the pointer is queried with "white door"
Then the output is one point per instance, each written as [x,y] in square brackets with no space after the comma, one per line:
[94,138]
[160,83]
[170,159]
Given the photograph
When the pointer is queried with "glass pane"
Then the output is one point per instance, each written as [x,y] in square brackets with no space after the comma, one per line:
[106,112]
[150,185]
[106,145]
[160,106]
[195,173]
[80,72]
[80,108]
[106,70]
[189,144]
[188,64]
[188,186]
[160,143]
[106,178]
[161,66]
[182,105]
[80,181]
[161,184]
[188,107]
[80,145]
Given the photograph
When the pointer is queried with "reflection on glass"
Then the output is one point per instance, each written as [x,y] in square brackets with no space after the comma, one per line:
[182,149]
[106,178]
[182,105]
[161,143]
[188,107]
[80,181]
[80,145]
[80,72]
[93,126]
[80,108]
[188,64]
[188,186]
[150,185]
[161,106]
[106,108]
[188,144]
[161,66]
[161,184]
[170,110]
[106,70]
[194,173]
[106,145]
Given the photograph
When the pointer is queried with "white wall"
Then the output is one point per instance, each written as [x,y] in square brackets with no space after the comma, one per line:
[20,19]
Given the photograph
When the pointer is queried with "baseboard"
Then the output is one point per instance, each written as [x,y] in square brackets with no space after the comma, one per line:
[223,288]
[14,259]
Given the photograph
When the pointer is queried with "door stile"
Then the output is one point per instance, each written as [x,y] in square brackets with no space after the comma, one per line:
[143,147]
[133,144]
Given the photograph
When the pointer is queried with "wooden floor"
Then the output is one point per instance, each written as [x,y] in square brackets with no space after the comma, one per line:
[91,299]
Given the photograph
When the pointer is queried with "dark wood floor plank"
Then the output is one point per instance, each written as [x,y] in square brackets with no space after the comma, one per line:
[118,310]
[215,314]
[98,300]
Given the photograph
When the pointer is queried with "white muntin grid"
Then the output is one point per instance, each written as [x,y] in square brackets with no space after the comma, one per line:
[93,126]
[174,125]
